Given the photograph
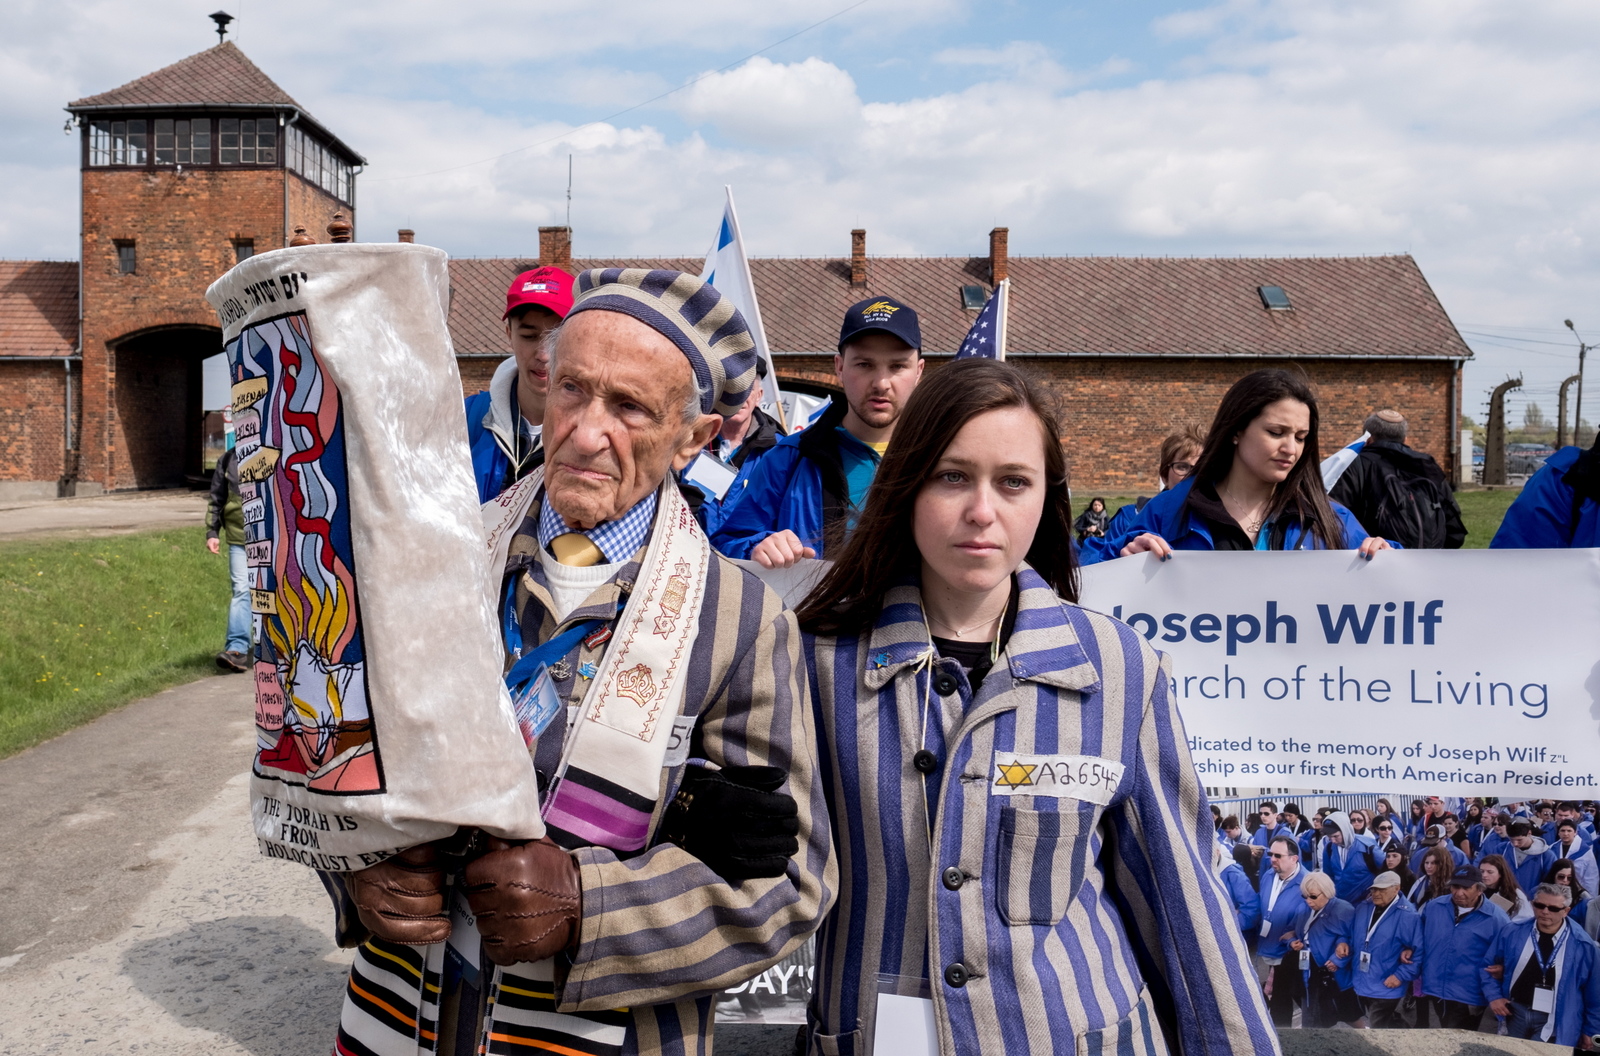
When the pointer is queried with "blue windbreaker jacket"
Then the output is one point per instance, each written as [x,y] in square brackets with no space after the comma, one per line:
[1167,516]
[1400,929]
[1577,983]
[1331,927]
[1453,954]
[1246,903]
[1541,518]
[1530,866]
[1279,920]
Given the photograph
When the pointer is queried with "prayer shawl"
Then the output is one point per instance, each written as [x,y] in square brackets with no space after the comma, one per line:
[660,933]
[381,718]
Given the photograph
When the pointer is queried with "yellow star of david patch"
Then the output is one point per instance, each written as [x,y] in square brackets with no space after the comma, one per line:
[1014,775]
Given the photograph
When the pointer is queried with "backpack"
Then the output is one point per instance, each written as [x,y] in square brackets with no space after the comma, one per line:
[1411,509]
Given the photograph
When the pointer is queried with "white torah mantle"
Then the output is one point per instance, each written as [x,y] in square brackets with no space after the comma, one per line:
[382,720]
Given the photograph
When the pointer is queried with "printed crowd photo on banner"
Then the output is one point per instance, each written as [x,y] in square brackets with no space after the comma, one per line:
[1325,671]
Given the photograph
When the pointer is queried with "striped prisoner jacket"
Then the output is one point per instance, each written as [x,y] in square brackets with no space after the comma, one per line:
[661,933]
[1044,922]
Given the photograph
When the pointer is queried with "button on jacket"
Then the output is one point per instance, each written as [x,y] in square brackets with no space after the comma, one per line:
[1037,917]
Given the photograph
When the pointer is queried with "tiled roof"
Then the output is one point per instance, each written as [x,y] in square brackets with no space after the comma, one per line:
[38,308]
[218,76]
[1343,306]
[222,76]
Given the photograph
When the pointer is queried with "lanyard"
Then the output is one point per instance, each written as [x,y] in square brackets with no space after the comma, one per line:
[527,664]
[1555,951]
[1377,918]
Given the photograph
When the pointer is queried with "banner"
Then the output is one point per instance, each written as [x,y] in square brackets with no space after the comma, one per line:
[1462,672]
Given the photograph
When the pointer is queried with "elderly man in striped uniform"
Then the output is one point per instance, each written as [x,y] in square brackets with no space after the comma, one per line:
[662,693]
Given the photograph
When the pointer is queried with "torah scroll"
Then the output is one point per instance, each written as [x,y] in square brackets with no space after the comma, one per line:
[381,717]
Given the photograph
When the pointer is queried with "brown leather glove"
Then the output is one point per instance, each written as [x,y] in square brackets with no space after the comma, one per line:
[401,899]
[528,900]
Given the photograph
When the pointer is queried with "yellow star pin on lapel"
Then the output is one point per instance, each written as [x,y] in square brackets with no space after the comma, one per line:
[1014,775]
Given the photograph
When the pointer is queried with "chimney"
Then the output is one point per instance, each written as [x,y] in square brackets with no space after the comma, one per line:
[555,247]
[858,257]
[407,235]
[998,263]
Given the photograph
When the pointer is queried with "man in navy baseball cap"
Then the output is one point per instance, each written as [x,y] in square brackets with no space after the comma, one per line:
[804,496]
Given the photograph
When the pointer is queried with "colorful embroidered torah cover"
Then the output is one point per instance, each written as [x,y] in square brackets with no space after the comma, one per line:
[381,717]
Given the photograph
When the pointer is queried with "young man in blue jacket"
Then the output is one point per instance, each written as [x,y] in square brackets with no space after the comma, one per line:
[1457,930]
[803,496]
[1529,856]
[1271,828]
[504,423]
[1383,931]
[1559,507]
[1543,975]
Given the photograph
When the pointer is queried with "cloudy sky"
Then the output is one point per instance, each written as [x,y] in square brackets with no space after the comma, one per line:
[1460,131]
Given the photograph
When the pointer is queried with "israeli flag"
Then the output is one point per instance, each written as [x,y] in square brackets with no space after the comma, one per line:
[1334,465]
[987,336]
[729,271]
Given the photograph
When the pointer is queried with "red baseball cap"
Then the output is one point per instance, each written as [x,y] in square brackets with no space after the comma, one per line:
[548,287]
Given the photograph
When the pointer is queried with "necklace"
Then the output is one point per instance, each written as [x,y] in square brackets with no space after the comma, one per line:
[1252,526]
[960,631]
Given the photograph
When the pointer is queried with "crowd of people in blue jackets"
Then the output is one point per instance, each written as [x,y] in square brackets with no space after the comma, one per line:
[1470,916]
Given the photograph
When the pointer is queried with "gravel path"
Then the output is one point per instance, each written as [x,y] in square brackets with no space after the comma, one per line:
[114,514]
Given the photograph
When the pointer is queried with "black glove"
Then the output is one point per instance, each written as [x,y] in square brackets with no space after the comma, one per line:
[735,820]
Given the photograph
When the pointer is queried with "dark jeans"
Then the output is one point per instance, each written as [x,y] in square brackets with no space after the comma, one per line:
[1383,1013]
[1524,1022]
[1457,1015]
[1326,1004]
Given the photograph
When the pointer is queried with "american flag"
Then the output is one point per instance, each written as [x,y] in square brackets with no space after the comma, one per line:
[987,337]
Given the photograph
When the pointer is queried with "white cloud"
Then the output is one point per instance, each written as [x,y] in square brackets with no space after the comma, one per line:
[1463,131]
[775,104]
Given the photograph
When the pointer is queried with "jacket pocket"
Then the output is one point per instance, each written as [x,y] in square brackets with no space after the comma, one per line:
[835,1044]
[1040,862]
[1136,1034]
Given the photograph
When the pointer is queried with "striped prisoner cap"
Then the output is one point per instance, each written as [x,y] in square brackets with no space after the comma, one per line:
[690,313]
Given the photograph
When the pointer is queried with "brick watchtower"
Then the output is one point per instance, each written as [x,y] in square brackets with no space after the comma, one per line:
[186,171]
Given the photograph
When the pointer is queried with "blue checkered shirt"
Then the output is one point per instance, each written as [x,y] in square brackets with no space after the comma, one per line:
[617,539]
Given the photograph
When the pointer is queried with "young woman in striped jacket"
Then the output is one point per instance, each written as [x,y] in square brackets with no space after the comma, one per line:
[1024,845]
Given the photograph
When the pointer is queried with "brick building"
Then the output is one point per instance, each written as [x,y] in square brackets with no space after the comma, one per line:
[185,171]
[189,169]
[1132,347]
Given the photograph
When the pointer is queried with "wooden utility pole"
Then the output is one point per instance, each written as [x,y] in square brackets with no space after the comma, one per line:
[1494,445]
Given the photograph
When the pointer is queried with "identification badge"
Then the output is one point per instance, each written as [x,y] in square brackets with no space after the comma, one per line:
[678,742]
[537,705]
[462,947]
[1305,960]
[1266,929]
[1544,999]
[905,1023]
[1366,961]
[1086,777]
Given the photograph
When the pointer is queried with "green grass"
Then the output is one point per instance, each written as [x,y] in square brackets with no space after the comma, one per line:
[89,625]
[1480,510]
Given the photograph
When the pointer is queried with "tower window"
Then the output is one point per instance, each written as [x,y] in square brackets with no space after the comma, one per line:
[127,256]
[118,143]
[1274,298]
[243,249]
[247,141]
[182,142]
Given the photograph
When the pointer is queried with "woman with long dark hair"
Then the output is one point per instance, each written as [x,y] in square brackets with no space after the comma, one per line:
[1019,821]
[1257,485]
[1563,872]
[1394,861]
[1501,887]
[1433,876]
